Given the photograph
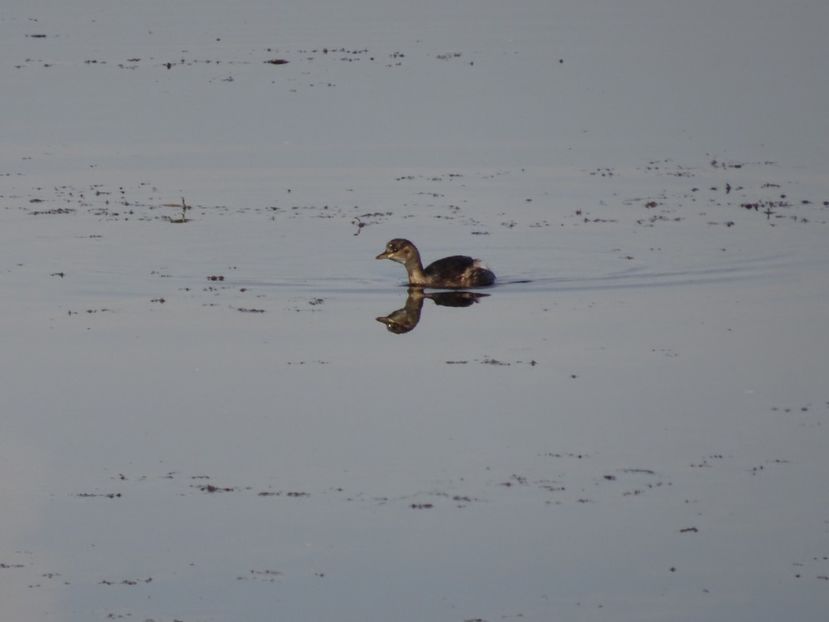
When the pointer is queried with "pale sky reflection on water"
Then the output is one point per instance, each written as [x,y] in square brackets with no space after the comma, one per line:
[205,421]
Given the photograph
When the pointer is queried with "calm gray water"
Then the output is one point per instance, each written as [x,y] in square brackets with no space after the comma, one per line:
[204,420]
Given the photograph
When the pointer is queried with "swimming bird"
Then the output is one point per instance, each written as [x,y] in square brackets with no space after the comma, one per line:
[455,272]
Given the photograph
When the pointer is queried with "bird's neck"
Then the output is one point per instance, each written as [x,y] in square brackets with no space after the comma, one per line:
[415,269]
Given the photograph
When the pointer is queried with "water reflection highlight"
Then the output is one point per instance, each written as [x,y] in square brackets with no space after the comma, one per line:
[407,317]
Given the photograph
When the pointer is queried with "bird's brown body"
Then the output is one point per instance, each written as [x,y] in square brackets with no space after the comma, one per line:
[455,272]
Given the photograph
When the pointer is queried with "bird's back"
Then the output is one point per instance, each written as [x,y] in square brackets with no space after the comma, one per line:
[449,267]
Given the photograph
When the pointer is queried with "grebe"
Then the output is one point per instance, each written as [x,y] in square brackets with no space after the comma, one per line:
[455,272]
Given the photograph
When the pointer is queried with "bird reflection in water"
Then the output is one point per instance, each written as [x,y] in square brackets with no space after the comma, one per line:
[405,319]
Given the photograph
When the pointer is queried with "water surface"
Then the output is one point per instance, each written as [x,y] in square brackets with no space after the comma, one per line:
[204,420]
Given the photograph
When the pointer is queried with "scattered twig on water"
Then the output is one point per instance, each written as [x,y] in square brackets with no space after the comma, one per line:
[359,224]
[184,207]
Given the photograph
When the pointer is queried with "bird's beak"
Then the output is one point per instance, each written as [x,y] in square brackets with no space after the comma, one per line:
[383,255]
